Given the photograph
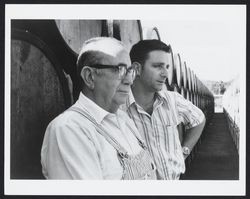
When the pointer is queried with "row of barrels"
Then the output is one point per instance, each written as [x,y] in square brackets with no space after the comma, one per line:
[231,108]
[44,80]
[182,79]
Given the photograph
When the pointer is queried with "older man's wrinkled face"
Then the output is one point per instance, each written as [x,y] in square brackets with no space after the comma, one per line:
[110,88]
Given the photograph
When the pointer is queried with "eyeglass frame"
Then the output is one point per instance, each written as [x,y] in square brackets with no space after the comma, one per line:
[127,69]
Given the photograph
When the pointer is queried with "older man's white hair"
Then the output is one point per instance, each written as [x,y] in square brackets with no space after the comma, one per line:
[108,45]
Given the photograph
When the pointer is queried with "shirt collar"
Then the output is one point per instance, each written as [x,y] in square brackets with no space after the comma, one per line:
[131,100]
[93,109]
[160,95]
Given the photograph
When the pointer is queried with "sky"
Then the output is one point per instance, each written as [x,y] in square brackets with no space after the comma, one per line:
[210,39]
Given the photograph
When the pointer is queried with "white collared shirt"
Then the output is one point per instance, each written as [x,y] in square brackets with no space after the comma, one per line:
[73,149]
[160,132]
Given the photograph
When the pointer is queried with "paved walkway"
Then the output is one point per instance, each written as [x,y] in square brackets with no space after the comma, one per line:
[216,157]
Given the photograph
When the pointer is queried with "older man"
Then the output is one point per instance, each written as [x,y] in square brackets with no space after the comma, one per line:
[157,112]
[93,139]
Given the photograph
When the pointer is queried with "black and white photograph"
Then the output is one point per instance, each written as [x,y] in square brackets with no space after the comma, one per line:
[125,99]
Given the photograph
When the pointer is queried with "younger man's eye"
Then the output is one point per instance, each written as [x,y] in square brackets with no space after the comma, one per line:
[157,66]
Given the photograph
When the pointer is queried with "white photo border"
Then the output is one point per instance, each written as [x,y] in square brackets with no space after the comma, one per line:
[99,187]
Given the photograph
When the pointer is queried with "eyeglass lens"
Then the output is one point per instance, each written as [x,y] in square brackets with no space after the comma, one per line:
[123,71]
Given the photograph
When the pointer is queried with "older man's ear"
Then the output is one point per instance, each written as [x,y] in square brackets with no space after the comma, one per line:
[88,77]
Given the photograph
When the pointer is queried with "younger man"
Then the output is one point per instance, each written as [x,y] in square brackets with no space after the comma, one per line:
[157,112]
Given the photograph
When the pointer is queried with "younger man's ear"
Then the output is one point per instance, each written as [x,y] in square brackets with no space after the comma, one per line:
[87,76]
[138,68]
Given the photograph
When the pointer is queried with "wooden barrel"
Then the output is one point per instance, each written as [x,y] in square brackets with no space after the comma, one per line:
[202,88]
[192,81]
[171,71]
[178,69]
[39,92]
[75,32]
[206,91]
[150,33]
[188,95]
[202,103]
[198,100]
[198,86]
[195,99]
[189,79]
[195,83]
[127,31]
[184,74]
[183,92]
[192,97]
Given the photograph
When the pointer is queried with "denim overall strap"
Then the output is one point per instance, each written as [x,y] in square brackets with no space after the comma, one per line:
[121,151]
[141,143]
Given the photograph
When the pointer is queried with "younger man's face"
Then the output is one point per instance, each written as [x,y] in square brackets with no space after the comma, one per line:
[155,70]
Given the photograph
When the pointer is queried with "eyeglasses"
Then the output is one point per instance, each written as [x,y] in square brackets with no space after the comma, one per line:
[121,69]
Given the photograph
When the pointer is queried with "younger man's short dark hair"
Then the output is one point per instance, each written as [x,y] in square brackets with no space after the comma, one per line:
[140,50]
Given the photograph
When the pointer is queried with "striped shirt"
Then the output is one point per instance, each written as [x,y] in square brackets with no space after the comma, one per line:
[160,132]
[73,149]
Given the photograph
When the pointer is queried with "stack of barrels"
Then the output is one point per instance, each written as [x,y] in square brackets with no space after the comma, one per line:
[231,106]
[184,81]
